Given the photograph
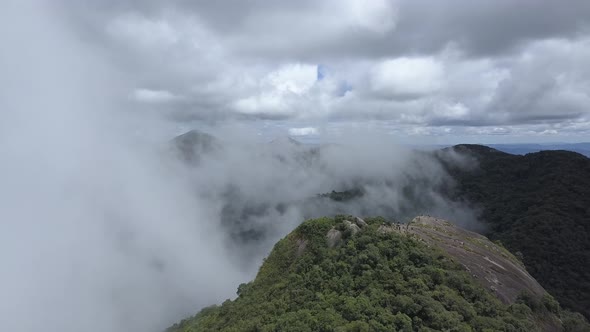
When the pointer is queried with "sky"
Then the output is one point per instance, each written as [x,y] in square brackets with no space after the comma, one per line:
[428,71]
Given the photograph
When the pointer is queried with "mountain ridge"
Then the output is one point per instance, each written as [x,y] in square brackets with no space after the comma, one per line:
[349,274]
[537,205]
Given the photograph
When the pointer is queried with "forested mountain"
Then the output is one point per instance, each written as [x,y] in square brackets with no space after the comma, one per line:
[350,274]
[538,206]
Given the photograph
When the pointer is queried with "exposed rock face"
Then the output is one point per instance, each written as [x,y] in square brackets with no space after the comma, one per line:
[493,266]
[301,245]
[352,227]
[490,264]
[333,237]
[397,227]
[431,288]
[360,222]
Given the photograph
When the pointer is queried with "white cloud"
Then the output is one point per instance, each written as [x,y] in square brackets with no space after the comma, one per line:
[264,103]
[386,60]
[457,110]
[154,96]
[549,132]
[280,90]
[377,15]
[292,78]
[305,131]
[406,77]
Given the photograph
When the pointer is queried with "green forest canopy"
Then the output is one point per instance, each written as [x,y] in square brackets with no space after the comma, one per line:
[372,281]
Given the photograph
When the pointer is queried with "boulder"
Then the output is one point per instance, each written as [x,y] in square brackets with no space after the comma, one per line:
[333,237]
[360,222]
[353,227]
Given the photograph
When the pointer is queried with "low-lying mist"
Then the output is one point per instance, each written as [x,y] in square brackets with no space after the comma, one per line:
[98,232]
[261,190]
[105,225]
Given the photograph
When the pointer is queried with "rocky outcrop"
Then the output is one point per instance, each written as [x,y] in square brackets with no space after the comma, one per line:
[333,237]
[360,222]
[490,264]
[301,245]
[352,227]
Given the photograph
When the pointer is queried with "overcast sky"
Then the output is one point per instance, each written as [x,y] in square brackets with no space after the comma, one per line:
[423,70]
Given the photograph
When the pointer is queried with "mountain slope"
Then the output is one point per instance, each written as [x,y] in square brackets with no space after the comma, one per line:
[491,265]
[193,144]
[333,274]
[538,205]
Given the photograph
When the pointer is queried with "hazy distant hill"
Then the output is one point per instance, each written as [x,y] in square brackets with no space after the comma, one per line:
[522,149]
[538,205]
[192,145]
[348,274]
[581,148]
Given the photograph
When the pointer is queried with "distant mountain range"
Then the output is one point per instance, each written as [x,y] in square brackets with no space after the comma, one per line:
[581,148]
[524,148]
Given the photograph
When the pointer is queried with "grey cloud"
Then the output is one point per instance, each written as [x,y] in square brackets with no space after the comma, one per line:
[487,28]
[85,196]
[483,28]
[221,52]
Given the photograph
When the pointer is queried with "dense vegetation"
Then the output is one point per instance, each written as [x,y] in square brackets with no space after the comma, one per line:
[537,205]
[371,281]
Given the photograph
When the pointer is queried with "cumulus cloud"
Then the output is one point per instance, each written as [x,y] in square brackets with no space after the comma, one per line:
[406,77]
[279,90]
[420,63]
